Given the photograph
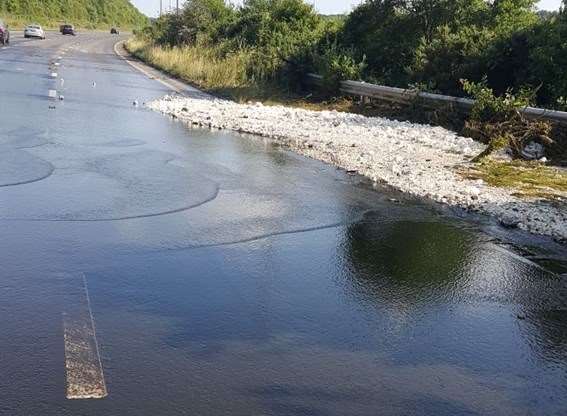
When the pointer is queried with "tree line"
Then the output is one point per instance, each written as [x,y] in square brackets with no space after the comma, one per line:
[428,44]
[85,12]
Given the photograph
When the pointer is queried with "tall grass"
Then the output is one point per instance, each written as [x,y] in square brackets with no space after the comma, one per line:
[205,67]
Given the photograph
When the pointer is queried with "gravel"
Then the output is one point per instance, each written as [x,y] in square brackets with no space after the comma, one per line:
[417,159]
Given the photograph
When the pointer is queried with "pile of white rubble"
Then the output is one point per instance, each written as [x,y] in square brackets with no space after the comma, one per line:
[418,159]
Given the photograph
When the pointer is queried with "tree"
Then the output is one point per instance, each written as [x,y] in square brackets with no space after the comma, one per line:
[509,16]
[383,32]
[280,34]
[206,20]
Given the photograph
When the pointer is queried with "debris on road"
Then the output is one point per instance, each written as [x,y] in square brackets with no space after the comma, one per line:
[420,160]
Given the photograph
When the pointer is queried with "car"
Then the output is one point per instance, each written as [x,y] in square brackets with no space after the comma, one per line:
[4,33]
[68,30]
[114,31]
[34,31]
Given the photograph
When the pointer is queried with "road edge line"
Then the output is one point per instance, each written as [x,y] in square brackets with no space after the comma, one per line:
[139,65]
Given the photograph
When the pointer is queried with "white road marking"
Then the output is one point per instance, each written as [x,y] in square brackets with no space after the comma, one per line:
[85,377]
[143,71]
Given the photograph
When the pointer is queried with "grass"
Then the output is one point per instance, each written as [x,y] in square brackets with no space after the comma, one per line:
[529,179]
[224,75]
[199,66]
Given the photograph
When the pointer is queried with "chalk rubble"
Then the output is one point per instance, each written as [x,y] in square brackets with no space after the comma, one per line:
[420,160]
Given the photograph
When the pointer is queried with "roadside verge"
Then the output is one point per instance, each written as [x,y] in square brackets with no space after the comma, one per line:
[171,83]
[417,159]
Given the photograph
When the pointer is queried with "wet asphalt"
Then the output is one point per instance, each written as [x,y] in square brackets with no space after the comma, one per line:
[228,276]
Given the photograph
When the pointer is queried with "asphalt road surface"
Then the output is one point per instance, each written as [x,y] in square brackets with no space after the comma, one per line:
[152,269]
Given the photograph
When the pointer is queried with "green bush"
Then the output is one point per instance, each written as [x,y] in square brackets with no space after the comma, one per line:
[548,60]
[335,65]
[205,21]
[384,34]
[490,107]
[452,56]
[280,34]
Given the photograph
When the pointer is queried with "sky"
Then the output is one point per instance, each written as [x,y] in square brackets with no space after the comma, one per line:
[151,7]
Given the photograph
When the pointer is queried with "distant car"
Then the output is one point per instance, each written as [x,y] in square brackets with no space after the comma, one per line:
[114,31]
[4,33]
[68,30]
[34,31]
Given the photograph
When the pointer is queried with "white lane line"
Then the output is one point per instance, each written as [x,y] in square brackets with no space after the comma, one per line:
[85,377]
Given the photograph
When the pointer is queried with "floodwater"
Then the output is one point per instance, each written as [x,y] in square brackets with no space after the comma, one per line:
[227,276]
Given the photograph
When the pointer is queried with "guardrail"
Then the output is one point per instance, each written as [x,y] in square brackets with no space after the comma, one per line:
[403,96]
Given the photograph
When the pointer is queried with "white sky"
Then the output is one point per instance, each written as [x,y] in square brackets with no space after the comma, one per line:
[151,7]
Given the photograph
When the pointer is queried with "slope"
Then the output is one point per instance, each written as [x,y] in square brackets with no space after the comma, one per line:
[86,13]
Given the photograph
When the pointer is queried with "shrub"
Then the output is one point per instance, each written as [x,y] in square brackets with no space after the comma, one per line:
[280,35]
[452,56]
[335,64]
[205,21]
[491,108]
[385,34]
[497,120]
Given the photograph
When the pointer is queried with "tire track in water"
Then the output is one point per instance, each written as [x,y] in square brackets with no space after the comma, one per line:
[128,217]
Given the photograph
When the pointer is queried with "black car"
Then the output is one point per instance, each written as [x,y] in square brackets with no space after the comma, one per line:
[68,30]
[4,34]
[114,31]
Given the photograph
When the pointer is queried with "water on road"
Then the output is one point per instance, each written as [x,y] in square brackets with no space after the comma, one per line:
[227,276]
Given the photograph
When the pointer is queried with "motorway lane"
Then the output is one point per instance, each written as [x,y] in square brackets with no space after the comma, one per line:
[227,276]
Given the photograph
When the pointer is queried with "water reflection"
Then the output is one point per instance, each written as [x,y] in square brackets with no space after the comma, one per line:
[503,304]
[406,262]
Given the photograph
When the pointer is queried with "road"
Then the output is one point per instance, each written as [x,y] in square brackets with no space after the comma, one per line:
[153,269]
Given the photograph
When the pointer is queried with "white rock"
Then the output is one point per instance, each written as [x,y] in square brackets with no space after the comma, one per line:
[413,158]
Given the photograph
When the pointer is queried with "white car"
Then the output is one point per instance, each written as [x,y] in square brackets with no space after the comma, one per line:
[34,31]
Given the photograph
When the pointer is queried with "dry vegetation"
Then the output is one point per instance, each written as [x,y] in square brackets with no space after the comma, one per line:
[199,66]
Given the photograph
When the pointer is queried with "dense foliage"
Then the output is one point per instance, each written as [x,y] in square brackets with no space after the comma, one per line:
[83,12]
[434,44]
[277,36]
